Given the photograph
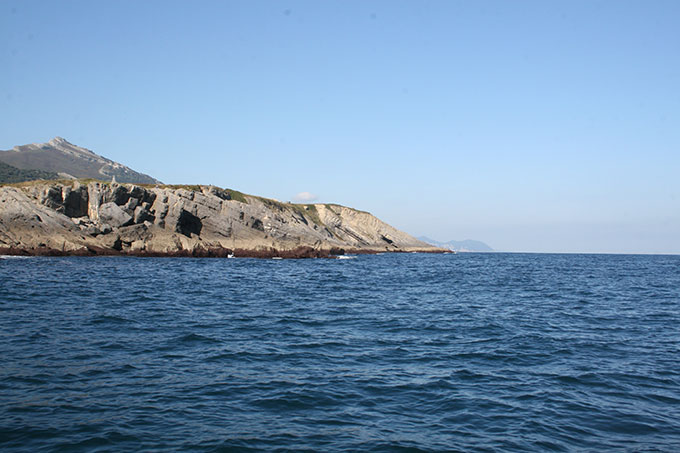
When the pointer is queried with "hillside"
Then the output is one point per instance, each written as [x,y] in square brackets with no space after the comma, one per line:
[74,217]
[71,161]
[9,174]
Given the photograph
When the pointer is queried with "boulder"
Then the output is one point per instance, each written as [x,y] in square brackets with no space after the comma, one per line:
[131,204]
[92,231]
[114,215]
[143,215]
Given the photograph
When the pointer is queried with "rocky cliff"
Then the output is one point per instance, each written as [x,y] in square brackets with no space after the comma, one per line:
[106,218]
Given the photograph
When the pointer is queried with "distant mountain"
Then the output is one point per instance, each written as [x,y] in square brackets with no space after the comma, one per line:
[467,245]
[9,173]
[71,161]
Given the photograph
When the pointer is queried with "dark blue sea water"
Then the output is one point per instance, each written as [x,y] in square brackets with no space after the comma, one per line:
[404,352]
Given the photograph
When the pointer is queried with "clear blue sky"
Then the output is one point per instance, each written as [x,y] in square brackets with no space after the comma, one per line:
[530,125]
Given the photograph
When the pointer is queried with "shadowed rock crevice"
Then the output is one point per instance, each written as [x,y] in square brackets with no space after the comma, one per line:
[257,224]
[74,201]
[188,224]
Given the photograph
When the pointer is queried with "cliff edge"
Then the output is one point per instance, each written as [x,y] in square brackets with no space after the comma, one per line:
[73,217]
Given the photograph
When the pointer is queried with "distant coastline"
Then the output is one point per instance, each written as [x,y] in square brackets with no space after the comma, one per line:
[467,245]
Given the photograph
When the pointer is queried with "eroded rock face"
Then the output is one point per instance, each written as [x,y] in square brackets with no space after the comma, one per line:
[164,219]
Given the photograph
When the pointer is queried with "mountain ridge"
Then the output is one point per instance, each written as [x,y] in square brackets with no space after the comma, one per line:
[60,156]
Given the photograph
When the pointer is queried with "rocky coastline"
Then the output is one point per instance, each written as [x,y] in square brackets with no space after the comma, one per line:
[298,253]
[93,218]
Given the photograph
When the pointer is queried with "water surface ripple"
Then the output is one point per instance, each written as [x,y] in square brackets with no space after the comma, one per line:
[407,352]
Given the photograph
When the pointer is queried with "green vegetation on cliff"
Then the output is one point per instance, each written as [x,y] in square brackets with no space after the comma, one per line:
[10,174]
[309,211]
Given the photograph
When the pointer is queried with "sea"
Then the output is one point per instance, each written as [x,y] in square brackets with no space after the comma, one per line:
[379,353]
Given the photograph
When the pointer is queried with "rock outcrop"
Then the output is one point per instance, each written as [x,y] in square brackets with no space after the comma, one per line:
[100,218]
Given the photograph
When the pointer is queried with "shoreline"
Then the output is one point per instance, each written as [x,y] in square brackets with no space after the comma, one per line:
[212,252]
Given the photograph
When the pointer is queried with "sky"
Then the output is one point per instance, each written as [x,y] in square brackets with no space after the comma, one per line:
[530,125]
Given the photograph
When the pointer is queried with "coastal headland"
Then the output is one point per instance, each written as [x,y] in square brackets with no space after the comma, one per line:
[90,218]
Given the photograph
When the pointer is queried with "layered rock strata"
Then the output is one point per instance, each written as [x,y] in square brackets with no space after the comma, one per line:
[109,218]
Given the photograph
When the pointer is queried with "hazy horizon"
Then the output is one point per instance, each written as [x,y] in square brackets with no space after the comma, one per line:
[533,126]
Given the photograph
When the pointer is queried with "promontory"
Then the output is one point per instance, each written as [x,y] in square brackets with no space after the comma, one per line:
[94,217]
